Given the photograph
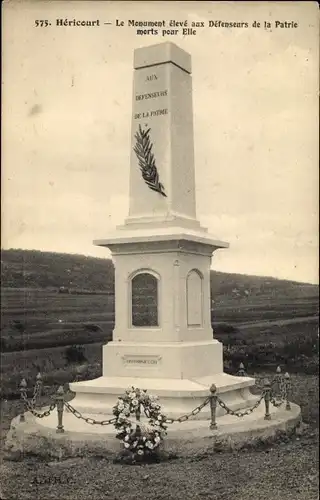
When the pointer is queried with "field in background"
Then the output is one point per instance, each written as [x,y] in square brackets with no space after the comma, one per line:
[33,319]
[261,321]
[38,325]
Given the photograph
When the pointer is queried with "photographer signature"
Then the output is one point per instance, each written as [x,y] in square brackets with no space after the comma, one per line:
[62,479]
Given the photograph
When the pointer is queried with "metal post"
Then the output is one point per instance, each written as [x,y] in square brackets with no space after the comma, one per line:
[267,397]
[213,406]
[277,379]
[60,406]
[23,387]
[241,371]
[39,390]
[287,382]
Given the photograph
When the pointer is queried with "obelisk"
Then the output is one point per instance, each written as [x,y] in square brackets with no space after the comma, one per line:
[162,106]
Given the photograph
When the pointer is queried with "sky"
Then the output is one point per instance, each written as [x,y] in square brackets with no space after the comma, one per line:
[66,128]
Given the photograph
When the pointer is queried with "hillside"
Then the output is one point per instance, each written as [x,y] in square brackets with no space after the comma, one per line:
[35,269]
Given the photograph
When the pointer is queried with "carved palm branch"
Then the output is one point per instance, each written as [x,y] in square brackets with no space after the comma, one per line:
[147,164]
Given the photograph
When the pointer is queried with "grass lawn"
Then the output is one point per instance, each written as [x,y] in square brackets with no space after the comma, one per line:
[285,470]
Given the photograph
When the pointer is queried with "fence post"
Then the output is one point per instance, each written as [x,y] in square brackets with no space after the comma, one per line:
[213,406]
[23,386]
[277,379]
[287,382]
[60,405]
[241,372]
[267,397]
[39,389]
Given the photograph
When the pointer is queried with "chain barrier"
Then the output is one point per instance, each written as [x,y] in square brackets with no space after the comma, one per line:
[276,403]
[45,413]
[89,420]
[240,414]
[30,406]
[92,421]
[278,383]
[36,392]
[186,417]
[276,392]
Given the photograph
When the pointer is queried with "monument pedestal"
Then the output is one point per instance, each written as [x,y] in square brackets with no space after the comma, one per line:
[177,396]
[174,355]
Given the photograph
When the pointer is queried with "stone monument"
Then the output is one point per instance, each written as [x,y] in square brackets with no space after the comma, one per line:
[162,340]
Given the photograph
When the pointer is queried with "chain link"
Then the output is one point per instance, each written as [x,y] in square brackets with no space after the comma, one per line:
[30,405]
[89,420]
[276,403]
[281,383]
[43,414]
[281,386]
[240,413]
[36,392]
[186,417]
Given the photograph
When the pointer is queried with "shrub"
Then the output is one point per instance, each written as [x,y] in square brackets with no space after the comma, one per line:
[3,344]
[18,325]
[91,327]
[223,328]
[302,345]
[75,354]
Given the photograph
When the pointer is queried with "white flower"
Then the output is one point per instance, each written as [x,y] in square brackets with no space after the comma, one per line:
[144,438]
[134,444]
[140,452]
[149,445]
[126,445]
[128,429]
[126,438]
[159,418]
[157,439]
[135,402]
[132,395]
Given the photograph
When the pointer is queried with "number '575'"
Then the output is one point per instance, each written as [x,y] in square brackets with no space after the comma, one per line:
[41,24]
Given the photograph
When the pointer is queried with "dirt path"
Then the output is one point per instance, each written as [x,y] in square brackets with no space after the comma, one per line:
[278,322]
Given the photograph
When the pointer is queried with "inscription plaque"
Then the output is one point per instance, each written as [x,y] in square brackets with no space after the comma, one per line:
[140,360]
[144,289]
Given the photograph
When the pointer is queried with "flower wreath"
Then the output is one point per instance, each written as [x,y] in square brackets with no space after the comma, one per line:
[138,437]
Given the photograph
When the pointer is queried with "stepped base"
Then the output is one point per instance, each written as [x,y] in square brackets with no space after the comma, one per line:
[177,396]
[38,436]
